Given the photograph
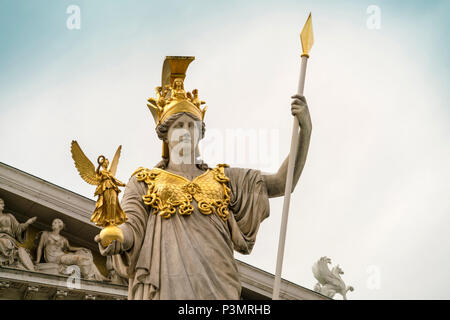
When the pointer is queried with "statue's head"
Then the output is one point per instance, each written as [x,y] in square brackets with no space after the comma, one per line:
[102,163]
[105,164]
[57,224]
[339,270]
[175,108]
[181,133]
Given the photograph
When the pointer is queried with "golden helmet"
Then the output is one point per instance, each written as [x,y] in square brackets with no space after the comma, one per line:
[171,98]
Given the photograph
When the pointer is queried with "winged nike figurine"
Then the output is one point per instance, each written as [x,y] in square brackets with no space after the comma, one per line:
[330,281]
[108,212]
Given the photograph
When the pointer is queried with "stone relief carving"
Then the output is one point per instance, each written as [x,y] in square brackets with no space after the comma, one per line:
[329,281]
[54,254]
[59,255]
[11,233]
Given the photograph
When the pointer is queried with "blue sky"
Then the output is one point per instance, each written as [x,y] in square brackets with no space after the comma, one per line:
[34,34]
[374,191]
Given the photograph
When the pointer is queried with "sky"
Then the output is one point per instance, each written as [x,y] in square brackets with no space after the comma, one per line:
[373,195]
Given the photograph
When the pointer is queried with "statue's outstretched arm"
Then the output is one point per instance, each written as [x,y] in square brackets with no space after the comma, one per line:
[40,247]
[73,249]
[24,226]
[276,183]
[118,182]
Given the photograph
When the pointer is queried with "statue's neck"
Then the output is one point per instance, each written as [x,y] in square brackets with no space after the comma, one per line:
[182,167]
[185,163]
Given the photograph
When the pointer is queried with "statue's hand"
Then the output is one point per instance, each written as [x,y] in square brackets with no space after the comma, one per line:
[30,221]
[113,248]
[299,109]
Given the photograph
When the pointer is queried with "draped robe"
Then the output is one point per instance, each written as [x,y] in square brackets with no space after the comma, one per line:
[11,231]
[190,257]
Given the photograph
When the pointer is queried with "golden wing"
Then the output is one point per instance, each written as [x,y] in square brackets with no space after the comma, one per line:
[115,161]
[84,166]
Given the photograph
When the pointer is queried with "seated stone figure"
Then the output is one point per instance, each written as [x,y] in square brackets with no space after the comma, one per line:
[59,254]
[11,233]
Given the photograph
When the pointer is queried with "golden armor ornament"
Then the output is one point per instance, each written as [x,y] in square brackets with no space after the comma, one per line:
[168,191]
[108,213]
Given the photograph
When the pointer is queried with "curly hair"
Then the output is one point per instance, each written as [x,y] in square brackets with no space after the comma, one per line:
[162,131]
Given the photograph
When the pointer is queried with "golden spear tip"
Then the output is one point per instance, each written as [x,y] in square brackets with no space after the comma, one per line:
[307,37]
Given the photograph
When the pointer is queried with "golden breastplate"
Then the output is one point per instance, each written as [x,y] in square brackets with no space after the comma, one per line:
[168,191]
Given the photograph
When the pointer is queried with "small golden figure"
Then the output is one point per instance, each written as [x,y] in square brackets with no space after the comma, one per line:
[195,100]
[108,212]
[178,89]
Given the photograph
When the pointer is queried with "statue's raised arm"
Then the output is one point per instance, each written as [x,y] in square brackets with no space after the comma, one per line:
[276,183]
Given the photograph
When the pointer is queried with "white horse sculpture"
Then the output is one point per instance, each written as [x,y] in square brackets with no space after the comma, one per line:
[330,281]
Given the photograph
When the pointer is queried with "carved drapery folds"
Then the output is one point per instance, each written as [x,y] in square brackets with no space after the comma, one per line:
[12,233]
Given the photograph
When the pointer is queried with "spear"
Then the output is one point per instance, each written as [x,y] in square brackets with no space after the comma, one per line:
[307,40]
